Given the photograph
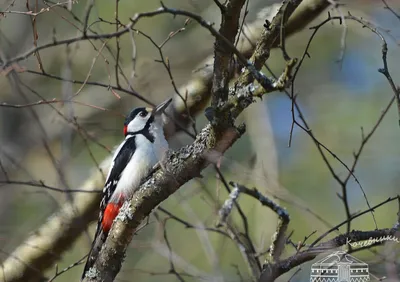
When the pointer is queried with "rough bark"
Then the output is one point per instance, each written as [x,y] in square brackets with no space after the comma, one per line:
[37,253]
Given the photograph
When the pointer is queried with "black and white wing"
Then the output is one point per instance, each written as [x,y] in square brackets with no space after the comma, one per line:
[121,158]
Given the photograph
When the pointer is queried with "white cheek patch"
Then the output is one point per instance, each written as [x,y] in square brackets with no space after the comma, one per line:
[137,124]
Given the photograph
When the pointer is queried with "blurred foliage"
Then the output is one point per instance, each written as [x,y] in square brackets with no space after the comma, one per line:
[336,98]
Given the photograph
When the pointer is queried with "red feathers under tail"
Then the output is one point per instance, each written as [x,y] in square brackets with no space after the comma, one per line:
[103,227]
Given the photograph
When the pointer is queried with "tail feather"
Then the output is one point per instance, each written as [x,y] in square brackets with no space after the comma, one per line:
[94,250]
[106,217]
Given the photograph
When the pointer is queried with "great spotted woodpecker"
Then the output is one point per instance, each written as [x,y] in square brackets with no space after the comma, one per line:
[141,150]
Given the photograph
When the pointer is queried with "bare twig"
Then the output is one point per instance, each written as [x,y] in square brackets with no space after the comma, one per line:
[336,227]
[41,184]
[198,93]
[190,225]
[243,241]
[397,15]
[269,37]
[117,42]
[262,79]
[279,239]
[181,166]
[89,7]
[65,42]
[343,183]
[272,271]
[30,12]
[59,273]
[56,235]
[172,268]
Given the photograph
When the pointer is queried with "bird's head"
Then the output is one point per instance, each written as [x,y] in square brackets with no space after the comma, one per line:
[140,119]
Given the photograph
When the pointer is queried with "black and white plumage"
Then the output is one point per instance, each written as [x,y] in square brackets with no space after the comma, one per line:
[143,147]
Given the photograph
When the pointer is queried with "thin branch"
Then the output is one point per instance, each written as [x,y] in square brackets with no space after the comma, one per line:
[95,83]
[35,34]
[65,42]
[273,271]
[197,89]
[262,79]
[89,7]
[279,240]
[342,183]
[180,167]
[190,225]
[397,15]
[243,241]
[117,42]
[336,227]
[41,184]
[57,234]
[69,267]
[172,268]
[32,13]
[268,38]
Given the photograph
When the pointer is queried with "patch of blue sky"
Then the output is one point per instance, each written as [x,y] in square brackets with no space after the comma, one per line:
[358,72]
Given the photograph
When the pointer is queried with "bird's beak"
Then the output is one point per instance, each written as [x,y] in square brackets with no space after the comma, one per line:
[161,107]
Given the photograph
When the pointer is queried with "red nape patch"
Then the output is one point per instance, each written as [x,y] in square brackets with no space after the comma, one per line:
[125,130]
[110,213]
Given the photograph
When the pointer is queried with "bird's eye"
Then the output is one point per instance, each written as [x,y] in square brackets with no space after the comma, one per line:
[143,114]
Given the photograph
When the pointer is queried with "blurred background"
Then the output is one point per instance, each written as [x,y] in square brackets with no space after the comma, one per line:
[339,91]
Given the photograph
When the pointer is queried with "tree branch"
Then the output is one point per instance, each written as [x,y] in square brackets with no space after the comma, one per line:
[188,162]
[46,244]
[198,89]
[269,37]
[60,231]
[180,167]
[273,271]
[222,55]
